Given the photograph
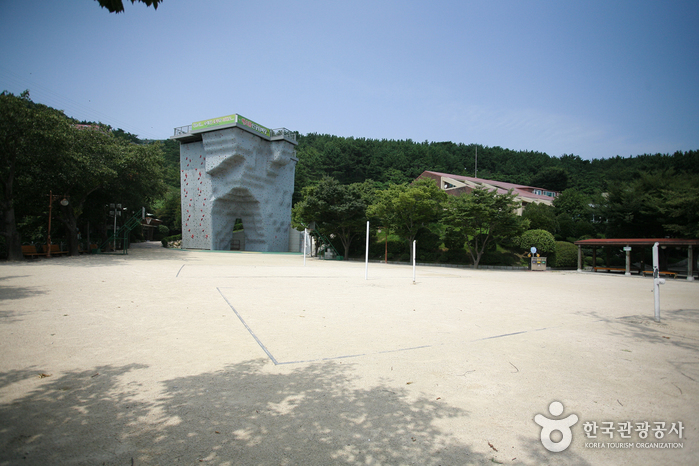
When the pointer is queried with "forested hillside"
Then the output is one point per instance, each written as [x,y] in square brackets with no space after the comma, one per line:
[649,195]
[351,160]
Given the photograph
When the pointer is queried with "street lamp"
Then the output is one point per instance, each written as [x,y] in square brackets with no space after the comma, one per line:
[64,202]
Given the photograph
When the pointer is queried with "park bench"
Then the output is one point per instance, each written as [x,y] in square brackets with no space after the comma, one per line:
[609,269]
[89,249]
[29,250]
[56,250]
[650,272]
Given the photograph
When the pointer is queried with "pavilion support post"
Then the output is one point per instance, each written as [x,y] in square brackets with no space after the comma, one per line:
[628,262]
[579,258]
[690,264]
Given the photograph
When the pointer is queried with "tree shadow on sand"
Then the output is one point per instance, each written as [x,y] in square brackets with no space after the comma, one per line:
[677,327]
[243,414]
[17,292]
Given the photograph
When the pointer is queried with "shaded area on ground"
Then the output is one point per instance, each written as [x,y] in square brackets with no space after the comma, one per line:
[240,414]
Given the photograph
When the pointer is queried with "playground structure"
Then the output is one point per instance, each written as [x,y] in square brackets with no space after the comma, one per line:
[233,168]
[118,241]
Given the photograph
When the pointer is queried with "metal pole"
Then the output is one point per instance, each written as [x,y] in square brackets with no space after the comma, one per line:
[305,240]
[657,281]
[690,264]
[414,243]
[48,244]
[476,175]
[366,265]
[385,256]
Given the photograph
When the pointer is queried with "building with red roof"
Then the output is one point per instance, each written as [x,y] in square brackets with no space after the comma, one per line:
[457,185]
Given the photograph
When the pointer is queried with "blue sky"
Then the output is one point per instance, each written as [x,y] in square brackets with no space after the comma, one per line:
[592,78]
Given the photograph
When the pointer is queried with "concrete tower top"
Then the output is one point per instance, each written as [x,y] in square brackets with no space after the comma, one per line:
[193,132]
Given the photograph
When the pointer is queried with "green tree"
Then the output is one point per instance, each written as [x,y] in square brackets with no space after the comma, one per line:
[405,209]
[680,206]
[169,209]
[541,216]
[542,240]
[553,178]
[27,132]
[106,168]
[481,217]
[83,168]
[573,210]
[42,150]
[566,254]
[635,209]
[335,208]
[117,6]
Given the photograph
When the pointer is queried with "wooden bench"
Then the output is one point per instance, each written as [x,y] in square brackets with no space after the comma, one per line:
[616,269]
[608,269]
[650,272]
[29,250]
[56,250]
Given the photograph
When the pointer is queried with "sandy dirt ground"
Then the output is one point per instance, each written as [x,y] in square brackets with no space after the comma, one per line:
[167,357]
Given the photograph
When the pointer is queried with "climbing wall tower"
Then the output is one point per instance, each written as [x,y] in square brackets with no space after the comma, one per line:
[232,168]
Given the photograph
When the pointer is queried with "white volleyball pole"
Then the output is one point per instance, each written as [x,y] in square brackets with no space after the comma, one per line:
[366,266]
[657,281]
[414,243]
[305,241]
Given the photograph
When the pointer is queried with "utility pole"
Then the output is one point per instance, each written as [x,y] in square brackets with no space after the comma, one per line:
[476,175]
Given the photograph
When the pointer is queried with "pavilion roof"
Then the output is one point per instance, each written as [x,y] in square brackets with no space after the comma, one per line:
[638,242]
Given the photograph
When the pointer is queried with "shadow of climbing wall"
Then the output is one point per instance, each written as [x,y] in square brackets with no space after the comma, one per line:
[231,174]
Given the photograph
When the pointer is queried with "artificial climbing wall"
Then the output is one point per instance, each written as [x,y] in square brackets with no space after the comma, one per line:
[232,173]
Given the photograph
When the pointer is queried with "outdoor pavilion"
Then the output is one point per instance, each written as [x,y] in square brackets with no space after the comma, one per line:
[628,244]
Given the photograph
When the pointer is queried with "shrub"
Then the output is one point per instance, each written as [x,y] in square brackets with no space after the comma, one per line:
[542,240]
[566,254]
[169,239]
[588,261]
[454,256]
[498,258]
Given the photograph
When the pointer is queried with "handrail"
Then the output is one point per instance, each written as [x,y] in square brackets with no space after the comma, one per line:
[122,233]
[274,133]
[183,130]
[285,133]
